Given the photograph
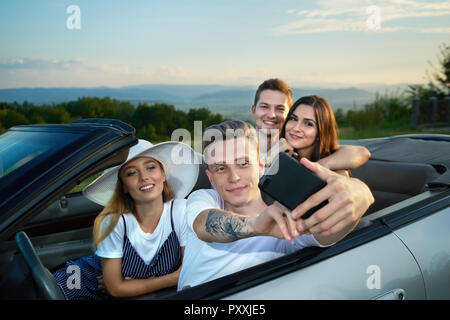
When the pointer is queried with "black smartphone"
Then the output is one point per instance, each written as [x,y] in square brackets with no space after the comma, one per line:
[287,181]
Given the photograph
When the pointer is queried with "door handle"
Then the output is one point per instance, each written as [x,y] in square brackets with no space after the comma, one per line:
[396,294]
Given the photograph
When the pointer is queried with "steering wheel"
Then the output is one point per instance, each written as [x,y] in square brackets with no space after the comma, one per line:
[43,278]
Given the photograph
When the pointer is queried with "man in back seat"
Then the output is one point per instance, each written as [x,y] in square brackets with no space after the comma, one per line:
[273,99]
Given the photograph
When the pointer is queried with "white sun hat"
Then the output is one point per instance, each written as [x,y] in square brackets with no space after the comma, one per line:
[179,161]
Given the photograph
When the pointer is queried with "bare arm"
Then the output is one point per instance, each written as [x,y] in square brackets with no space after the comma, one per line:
[215,225]
[118,286]
[346,157]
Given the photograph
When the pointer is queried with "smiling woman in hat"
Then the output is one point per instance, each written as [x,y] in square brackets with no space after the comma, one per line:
[141,233]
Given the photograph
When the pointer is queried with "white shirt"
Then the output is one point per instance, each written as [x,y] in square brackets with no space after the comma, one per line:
[145,244]
[205,261]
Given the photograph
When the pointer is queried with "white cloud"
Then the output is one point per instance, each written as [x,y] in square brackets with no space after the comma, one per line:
[319,25]
[354,15]
[40,64]
[436,30]
[171,71]
[77,71]
[59,65]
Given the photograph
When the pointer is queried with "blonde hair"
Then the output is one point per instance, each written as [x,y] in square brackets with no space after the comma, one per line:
[119,204]
[237,128]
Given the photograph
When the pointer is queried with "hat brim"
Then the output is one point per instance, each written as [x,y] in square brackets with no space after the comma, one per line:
[180,164]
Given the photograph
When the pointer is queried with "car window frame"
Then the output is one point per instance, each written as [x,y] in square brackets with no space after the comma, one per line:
[60,181]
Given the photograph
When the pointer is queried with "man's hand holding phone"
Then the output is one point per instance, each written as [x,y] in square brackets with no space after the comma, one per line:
[348,199]
[275,221]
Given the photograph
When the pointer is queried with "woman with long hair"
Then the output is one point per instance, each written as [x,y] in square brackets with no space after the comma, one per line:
[311,131]
[139,236]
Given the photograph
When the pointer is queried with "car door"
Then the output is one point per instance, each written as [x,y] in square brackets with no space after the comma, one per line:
[382,268]
[428,240]
[38,186]
[370,263]
[403,253]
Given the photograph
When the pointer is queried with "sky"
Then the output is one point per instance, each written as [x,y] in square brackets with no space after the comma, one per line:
[326,43]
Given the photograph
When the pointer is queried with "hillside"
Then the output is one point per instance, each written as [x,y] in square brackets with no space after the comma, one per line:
[231,101]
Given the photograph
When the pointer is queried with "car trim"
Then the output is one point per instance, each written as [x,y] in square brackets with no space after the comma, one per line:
[417,210]
[116,125]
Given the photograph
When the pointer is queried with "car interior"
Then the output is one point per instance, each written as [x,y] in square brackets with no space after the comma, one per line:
[63,231]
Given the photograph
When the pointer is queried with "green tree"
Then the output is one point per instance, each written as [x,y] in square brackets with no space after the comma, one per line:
[386,111]
[154,122]
[12,118]
[1,125]
[123,110]
[141,116]
[149,133]
[441,74]
[205,115]
[438,77]
[57,115]
[341,117]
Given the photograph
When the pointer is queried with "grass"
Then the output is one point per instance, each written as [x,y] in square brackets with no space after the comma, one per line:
[79,187]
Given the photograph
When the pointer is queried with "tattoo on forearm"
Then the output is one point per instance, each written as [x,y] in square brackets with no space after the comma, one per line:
[223,225]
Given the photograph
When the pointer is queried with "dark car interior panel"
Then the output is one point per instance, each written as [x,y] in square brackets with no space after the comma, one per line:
[392,182]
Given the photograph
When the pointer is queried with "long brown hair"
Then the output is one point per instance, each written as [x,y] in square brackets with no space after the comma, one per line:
[327,130]
[119,204]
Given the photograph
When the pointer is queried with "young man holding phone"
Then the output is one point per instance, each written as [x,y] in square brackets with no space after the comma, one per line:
[230,228]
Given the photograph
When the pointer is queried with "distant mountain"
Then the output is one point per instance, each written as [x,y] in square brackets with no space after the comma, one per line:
[231,101]
[239,101]
[151,92]
[181,92]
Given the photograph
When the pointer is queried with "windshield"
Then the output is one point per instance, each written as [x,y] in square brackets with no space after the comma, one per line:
[18,148]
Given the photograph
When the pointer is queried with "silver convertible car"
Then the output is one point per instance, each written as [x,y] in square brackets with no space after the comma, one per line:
[399,250]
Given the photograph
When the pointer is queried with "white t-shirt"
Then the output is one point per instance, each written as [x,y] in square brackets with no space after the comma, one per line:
[205,261]
[145,244]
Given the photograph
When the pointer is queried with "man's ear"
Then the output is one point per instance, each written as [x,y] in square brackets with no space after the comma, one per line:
[253,109]
[262,166]
[208,174]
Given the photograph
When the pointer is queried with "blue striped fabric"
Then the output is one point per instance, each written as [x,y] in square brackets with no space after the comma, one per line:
[90,268]
[167,260]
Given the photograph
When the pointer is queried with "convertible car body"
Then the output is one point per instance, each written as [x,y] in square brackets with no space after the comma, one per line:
[399,250]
